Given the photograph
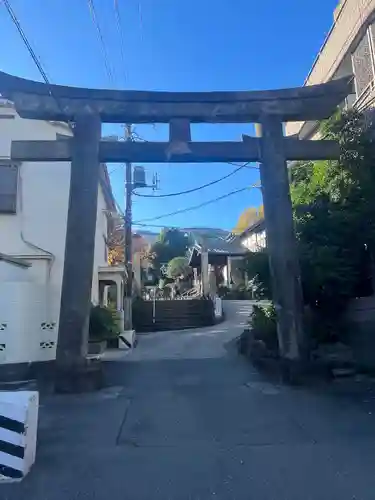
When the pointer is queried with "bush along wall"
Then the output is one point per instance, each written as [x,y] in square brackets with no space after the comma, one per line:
[104,324]
[259,339]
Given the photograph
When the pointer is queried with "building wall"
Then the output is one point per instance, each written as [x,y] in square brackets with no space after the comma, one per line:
[255,241]
[351,19]
[350,16]
[100,255]
[41,207]
[37,231]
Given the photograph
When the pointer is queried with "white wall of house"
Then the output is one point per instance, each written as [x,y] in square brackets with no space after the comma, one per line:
[37,231]
[100,255]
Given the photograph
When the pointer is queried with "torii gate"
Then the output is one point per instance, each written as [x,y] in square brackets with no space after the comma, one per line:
[88,108]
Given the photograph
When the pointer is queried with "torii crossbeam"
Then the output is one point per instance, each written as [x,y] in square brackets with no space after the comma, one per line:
[88,108]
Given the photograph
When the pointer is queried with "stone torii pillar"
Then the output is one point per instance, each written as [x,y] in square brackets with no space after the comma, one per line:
[281,241]
[71,365]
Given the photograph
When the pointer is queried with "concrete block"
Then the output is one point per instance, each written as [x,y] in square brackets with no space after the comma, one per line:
[218,307]
[18,433]
[127,339]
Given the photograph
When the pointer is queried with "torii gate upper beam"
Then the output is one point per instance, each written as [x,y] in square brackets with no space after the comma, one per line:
[56,102]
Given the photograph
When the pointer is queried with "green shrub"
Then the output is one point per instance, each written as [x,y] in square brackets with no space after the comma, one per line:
[104,323]
[256,289]
[257,269]
[264,326]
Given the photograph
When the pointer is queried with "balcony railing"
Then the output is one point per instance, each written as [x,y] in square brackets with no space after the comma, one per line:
[366,99]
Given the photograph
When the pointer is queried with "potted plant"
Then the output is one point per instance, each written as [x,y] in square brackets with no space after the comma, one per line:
[103,328]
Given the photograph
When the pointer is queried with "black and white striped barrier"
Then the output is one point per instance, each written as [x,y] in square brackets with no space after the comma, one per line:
[127,339]
[18,433]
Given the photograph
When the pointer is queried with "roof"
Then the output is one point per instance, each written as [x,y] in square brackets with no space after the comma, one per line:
[220,246]
[216,246]
[206,231]
[258,225]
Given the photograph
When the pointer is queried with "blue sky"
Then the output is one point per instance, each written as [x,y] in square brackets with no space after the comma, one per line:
[195,45]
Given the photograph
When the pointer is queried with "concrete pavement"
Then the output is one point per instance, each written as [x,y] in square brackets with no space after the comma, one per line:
[186,418]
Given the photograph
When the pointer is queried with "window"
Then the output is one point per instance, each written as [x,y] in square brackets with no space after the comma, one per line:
[362,65]
[8,188]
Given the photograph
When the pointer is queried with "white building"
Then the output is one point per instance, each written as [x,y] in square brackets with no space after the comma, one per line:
[33,221]
[254,237]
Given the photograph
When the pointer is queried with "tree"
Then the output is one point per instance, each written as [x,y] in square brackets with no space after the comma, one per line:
[334,211]
[171,243]
[248,217]
[115,245]
[178,267]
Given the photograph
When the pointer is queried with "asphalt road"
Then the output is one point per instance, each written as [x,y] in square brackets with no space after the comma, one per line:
[186,418]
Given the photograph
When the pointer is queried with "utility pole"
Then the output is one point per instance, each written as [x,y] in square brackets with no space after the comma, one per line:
[128,288]
[130,184]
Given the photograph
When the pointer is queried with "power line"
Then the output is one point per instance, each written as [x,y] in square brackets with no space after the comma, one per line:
[137,136]
[138,224]
[183,228]
[247,165]
[121,165]
[26,41]
[32,53]
[193,190]
[140,19]
[196,207]
[101,39]
[121,35]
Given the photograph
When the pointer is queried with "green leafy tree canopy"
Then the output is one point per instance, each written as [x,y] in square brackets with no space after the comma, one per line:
[171,243]
[178,267]
[334,211]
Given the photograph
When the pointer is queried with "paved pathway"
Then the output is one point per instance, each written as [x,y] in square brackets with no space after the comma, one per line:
[188,419]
